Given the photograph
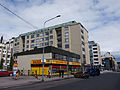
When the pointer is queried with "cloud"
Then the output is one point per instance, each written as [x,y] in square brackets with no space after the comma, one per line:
[100,17]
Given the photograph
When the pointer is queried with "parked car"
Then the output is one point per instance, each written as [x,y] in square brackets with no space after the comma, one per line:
[81,75]
[4,72]
[94,72]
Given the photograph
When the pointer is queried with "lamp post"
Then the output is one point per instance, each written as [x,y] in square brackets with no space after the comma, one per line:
[44,44]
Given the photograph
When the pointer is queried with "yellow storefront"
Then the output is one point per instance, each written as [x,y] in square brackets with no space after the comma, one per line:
[52,66]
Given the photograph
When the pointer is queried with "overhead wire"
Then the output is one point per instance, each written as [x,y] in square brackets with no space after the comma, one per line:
[35,27]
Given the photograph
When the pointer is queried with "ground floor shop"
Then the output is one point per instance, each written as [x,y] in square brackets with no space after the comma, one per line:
[52,67]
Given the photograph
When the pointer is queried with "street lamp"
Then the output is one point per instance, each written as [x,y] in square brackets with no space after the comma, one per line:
[44,45]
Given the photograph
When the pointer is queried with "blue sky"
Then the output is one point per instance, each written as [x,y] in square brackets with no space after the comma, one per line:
[100,17]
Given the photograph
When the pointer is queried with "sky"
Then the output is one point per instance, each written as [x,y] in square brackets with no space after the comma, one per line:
[100,17]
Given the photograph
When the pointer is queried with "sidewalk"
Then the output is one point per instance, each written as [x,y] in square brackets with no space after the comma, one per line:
[6,82]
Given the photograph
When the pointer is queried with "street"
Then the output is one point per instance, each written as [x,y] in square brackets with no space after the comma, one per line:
[106,81]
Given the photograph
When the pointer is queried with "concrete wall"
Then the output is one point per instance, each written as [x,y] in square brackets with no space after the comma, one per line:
[24,62]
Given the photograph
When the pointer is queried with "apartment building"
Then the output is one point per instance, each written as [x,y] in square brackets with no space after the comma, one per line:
[6,49]
[95,55]
[70,36]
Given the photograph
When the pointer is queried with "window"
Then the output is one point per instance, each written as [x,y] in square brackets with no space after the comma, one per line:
[41,39]
[95,52]
[41,44]
[95,45]
[83,49]
[37,35]
[27,41]
[47,43]
[27,46]
[32,36]
[66,34]
[81,31]
[46,33]
[83,43]
[51,31]
[82,37]
[96,59]
[27,37]
[32,41]
[67,46]
[66,28]
[37,40]
[41,34]
[51,37]
[67,40]
[32,46]
[51,42]
[37,45]
[95,55]
[46,38]
[94,48]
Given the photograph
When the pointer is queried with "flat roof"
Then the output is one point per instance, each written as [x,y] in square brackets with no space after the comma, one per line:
[49,49]
[50,28]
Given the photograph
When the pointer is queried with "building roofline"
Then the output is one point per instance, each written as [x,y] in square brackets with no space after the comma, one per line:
[51,27]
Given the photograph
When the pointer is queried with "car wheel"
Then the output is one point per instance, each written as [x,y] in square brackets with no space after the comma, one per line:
[10,74]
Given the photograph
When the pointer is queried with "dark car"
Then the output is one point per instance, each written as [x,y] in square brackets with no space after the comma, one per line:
[94,72]
[81,75]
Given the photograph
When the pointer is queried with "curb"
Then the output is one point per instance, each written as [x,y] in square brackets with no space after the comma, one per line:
[34,82]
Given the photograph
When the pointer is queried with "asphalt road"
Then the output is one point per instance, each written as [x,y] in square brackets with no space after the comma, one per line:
[106,81]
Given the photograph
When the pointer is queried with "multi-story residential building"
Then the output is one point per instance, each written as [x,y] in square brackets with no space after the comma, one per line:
[95,56]
[6,49]
[70,36]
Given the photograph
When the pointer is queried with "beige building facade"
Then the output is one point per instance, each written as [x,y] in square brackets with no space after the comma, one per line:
[70,36]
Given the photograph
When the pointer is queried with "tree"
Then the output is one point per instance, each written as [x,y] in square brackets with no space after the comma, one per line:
[1,63]
[11,64]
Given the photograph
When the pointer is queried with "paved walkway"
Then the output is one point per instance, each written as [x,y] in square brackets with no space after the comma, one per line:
[6,82]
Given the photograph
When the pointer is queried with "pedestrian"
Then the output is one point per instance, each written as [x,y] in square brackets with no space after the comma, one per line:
[62,73]
[59,73]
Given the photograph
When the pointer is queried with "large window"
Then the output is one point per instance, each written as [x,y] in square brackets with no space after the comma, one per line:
[41,44]
[27,37]
[37,35]
[41,34]
[32,41]
[46,38]
[67,40]
[37,40]
[66,34]
[37,45]
[32,36]
[41,39]
[27,41]
[67,46]
[51,31]
[32,46]
[66,28]
[47,43]
[51,37]
[51,42]
[27,46]
[94,48]
[46,33]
